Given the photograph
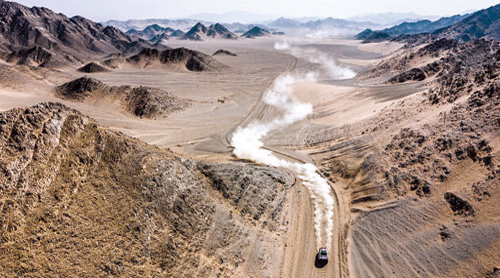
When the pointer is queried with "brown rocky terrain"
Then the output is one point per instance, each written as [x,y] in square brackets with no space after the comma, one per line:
[190,60]
[142,102]
[151,31]
[92,67]
[423,176]
[35,56]
[24,28]
[80,200]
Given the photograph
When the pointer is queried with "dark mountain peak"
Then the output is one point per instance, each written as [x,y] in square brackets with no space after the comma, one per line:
[191,59]
[115,33]
[218,30]
[199,27]
[196,32]
[154,27]
[80,18]
[255,32]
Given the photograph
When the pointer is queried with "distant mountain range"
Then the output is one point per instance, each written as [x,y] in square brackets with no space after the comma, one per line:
[289,26]
[410,28]
[481,24]
[239,22]
[200,32]
[140,24]
[243,17]
[321,27]
[157,34]
[155,31]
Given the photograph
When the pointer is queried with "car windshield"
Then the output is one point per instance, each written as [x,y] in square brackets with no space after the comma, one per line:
[323,251]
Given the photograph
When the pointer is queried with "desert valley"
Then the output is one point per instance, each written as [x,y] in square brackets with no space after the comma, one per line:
[192,148]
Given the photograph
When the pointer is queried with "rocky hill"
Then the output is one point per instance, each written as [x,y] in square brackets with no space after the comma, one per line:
[219,31]
[24,28]
[200,32]
[81,200]
[160,38]
[369,35]
[255,32]
[196,33]
[150,31]
[155,31]
[92,67]
[142,102]
[188,59]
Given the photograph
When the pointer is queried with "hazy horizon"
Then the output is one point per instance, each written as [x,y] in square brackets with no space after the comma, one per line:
[99,10]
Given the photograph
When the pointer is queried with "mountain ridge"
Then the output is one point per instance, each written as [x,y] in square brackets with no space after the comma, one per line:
[200,32]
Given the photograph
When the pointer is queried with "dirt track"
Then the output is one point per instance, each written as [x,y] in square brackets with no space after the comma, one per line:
[300,254]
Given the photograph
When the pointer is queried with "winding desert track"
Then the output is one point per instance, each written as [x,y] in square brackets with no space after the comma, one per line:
[300,253]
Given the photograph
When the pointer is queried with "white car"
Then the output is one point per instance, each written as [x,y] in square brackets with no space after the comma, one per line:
[323,254]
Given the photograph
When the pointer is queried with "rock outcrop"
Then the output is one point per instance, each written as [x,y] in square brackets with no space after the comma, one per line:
[190,59]
[255,32]
[200,32]
[92,67]
[79,199]
[141,101]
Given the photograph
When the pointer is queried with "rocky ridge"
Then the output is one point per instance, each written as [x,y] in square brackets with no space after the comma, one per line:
[141,101]
[80,199]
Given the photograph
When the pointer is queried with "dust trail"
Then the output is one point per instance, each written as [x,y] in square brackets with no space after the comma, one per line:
[317,57]
[247,143]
